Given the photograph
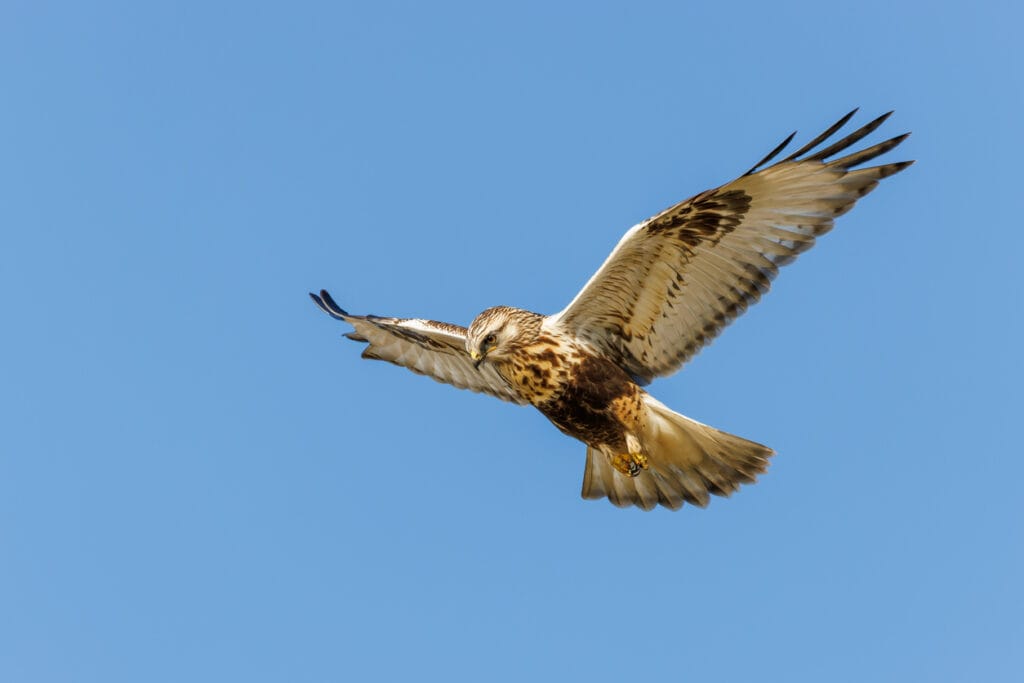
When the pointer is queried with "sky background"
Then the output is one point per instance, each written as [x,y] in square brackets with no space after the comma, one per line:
[201,481]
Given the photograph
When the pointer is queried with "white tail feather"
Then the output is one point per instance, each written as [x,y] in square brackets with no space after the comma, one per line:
[686,461]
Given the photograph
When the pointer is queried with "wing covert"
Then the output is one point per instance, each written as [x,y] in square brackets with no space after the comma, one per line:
[427,347]
[677,279]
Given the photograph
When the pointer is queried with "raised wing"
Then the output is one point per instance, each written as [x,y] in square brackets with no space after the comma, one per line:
[677,279]
[426,347]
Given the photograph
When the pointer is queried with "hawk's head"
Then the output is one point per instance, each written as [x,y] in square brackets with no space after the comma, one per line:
[498,331]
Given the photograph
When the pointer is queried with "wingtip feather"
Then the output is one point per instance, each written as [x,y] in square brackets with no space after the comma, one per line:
[772,154]
[869,153]
[851,139]
[829,132]
[328,305]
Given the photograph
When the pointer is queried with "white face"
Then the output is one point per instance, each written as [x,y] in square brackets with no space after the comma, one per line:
[488,333]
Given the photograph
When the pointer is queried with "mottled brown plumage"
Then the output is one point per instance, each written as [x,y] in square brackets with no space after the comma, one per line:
[670,286]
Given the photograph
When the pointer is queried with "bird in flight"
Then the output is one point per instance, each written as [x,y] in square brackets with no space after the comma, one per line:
[668,288]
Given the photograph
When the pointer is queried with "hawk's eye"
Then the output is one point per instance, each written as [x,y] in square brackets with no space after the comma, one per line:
[489,339]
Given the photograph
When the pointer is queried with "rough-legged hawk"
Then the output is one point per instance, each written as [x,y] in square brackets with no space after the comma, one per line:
[668,288]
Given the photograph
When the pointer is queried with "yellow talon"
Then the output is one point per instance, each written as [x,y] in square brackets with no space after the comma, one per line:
[630,464]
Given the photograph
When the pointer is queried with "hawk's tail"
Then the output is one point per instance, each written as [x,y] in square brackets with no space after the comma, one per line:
[686,460]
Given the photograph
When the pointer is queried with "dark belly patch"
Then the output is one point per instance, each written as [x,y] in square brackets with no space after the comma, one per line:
[598,403]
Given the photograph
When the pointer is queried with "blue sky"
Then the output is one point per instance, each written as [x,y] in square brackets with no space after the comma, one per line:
[200,480]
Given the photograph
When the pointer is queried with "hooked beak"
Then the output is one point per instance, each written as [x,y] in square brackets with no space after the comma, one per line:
[477,357]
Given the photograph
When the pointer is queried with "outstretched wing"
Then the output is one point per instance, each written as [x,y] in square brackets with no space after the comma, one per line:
[426,347]
[677,279]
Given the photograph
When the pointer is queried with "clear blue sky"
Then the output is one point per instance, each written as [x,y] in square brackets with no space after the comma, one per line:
[201,481]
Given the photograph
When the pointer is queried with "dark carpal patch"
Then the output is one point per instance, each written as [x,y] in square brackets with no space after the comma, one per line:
[708,217]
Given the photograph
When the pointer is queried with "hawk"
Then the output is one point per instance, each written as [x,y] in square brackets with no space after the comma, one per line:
[668,288]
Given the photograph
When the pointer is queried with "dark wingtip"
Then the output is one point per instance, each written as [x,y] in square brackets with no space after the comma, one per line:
[851,139]
[772,154]
[318,302]
[893,169]
[865,155]
[829,132]
[326,304]
[331,303]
